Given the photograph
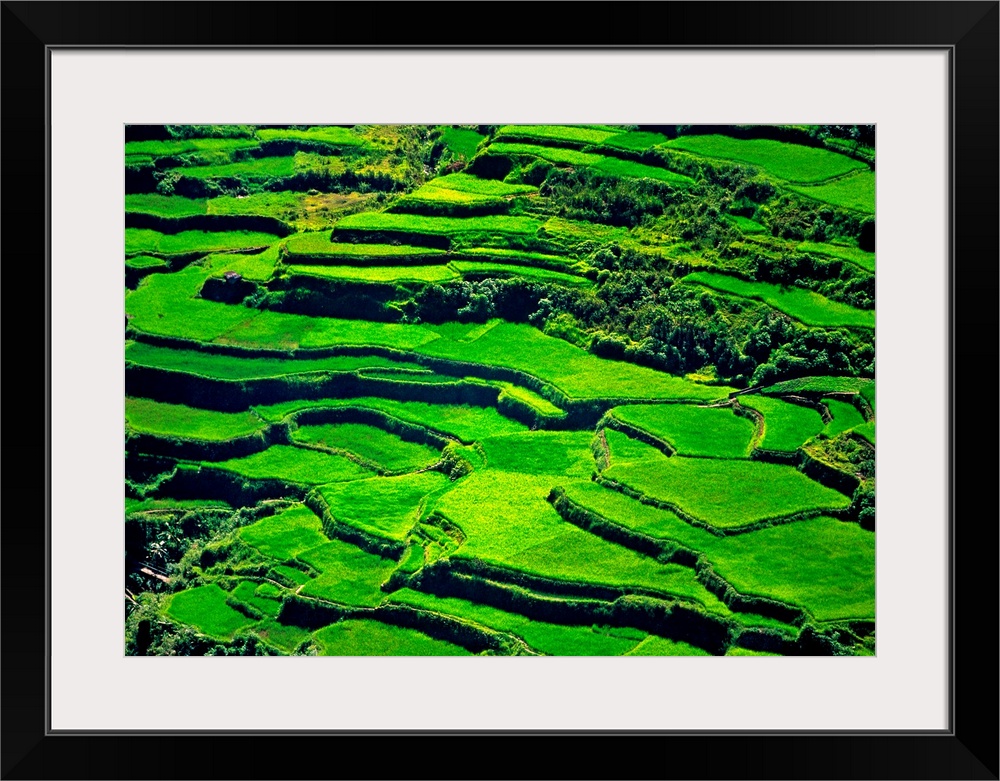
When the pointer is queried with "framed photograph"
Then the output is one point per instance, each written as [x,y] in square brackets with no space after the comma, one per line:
[569,160]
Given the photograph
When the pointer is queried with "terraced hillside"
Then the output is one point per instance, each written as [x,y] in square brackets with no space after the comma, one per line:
[502,390]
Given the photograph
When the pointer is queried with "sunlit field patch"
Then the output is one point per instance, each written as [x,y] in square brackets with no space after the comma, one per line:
[724,493]
[803,305]
[357,637]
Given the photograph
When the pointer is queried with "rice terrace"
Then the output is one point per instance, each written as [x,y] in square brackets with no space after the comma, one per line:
[500,390]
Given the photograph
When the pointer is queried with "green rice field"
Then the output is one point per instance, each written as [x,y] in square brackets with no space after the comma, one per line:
[693,430]
[494,390]
[856,192]
[803,305]
[790,162]
[787,426]
[723,493]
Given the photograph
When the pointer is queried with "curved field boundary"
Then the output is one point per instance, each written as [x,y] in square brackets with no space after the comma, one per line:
[239,395]
[670,618]
[750,414]
[610,420]
[408,432]
[350,455]
[805,401]
[333,528]
[207,222]
[192,449]
[630,430]
[762,153]
[854,193]
[762,523]
[206,481]
[816,470]
[827,475]
[666,550]
[661,549]
[313,613]
[776,298]
[739,602]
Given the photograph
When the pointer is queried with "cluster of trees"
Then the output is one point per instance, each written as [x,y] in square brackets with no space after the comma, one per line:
[583,195]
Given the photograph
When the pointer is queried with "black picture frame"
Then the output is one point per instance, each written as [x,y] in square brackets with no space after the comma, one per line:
[967,750]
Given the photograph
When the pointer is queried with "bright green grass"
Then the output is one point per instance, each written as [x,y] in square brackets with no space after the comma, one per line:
[256,204]
[822,564]
[787,426]
[295,464]
[142,240]
[661,646]
[319,244]
[182,145]
[858,257]
[509,523]
[693,431]
[384,506]
[206,610]
[856,191]
[286,534]
[563,453]
[553,154]
[277,329]
[520,257]
[259,266]
[229,367]
[553,639]
[466,422]
[284,637]
[164,205]
[259,169]
[576,372]
[177,420]
[737,651]
[359,637]
[727,494]
[866,430]
[532,399]
[440,226]
[393,274]
[370,443]
[637,140]
[613,166]
[246,592]
[819,385]
[790,162]
[330,134]
[167,305]
[166,503]
[145,261]
[845,416]
[572,133]
[347,574]
[292,573]
[509,270]
[465,188]
[868,393]
[803,305]
[572,232]
[746,225]
[462,141]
